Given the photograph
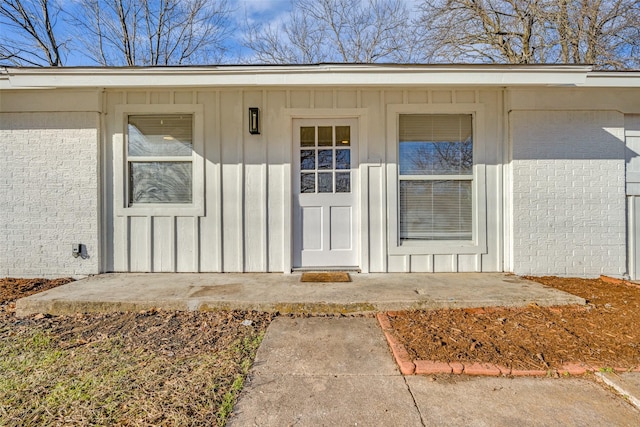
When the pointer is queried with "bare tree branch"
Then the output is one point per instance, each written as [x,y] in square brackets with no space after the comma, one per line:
[28,28]
[605,33]
[599,32]
[154,32]
[361,31]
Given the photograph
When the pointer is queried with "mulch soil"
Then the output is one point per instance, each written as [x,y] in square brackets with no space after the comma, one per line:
[604,333]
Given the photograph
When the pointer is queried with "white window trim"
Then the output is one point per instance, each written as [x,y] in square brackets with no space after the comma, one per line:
[478,243]
[121,185]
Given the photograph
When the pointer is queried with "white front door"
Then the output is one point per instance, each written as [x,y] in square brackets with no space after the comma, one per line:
[325,186]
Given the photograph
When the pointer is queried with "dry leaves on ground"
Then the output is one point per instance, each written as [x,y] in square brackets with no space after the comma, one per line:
[145,368]
[12,289]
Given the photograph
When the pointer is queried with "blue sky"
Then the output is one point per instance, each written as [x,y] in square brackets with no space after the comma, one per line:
[257,11]
[273,12]
[265,12]
[264,9]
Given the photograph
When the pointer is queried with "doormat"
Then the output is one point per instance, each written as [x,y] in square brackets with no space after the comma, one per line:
[325,276]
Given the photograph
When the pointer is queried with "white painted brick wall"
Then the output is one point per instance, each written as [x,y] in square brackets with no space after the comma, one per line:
[48,193]
[568,193]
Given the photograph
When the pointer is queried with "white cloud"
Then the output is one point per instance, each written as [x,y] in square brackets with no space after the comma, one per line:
[264,11]
[265,5]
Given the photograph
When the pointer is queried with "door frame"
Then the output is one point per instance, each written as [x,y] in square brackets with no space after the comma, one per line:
[360,115]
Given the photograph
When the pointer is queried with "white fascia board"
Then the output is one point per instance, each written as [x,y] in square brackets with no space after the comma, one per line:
[315,75]
[613,79]
[4,79]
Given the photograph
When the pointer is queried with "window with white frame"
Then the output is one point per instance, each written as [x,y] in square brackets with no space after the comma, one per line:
[435,177]
[159,159]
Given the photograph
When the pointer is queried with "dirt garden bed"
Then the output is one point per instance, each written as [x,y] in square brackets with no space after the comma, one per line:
[604,333]
[146,368]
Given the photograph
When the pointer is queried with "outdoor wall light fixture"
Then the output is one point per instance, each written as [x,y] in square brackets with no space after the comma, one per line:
[254,121]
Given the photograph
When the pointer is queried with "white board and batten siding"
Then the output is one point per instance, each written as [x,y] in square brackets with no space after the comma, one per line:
[632,154]
[246,222]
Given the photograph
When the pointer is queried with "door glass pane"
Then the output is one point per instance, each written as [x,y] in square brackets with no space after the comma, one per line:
[160,135]
[325,182]
[308,136]
[343,136]
[307,159]
[160,182]
[343,159]
[343,182]
[308,182]
[325,136]
[325,159]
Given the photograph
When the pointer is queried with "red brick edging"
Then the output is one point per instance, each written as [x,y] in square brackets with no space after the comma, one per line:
[616,281]
[406,365]
[428,367]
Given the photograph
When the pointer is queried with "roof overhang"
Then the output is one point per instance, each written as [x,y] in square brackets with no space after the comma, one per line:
[330,75]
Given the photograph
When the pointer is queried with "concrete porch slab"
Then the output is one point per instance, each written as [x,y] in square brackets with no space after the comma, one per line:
[284,293]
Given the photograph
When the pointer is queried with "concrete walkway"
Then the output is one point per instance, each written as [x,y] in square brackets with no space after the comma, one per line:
[286,294]
[339,372]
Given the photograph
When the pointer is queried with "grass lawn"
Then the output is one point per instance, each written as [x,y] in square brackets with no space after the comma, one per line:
[147,368]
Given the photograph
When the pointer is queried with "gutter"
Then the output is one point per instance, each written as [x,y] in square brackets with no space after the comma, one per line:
[330,75]
[613,79]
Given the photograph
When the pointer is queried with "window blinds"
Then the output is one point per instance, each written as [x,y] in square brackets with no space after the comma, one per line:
[433,145]
[435,210]
[435,127]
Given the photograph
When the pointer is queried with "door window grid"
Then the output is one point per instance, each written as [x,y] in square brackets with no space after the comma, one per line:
[325,159]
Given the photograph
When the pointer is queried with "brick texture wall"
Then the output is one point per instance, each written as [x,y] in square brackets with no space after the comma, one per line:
[48,193]
[568,193]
